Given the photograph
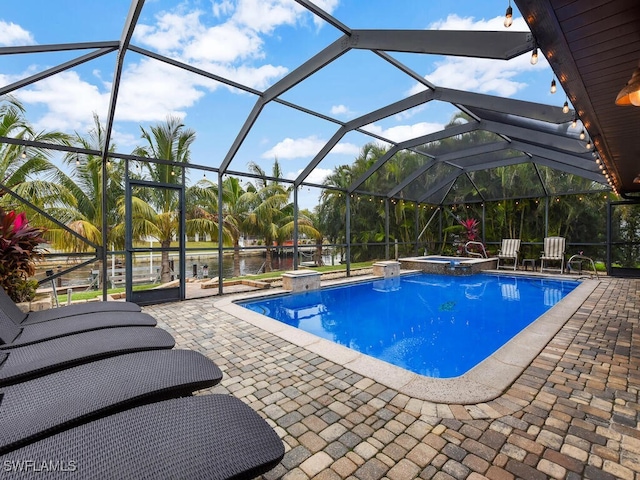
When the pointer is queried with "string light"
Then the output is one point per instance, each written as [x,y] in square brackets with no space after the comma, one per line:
[534,56]
[553,86]
[574,124]
[24,154]
[582,135]
[588,145]
[565,107]
[508,16]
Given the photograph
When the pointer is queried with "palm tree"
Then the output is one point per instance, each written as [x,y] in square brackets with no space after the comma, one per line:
[155,212]
[332,210]
[236,209]
[268,199]
[272,213]
[84,215]
[28,171]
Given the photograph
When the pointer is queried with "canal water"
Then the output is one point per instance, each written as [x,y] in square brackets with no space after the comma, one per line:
[204,264]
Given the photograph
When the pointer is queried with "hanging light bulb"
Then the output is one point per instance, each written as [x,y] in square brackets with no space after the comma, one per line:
[24,154]
[77,161]
[553,86]
[582,135]
[630,93]
[565,107]
[588,145]
[508,16]
[534,56]
[574,124]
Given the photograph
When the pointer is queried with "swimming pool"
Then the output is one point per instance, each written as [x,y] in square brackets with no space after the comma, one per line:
[432,325]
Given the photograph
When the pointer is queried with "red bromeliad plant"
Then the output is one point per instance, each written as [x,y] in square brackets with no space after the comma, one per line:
[470,234]
[18,252]
[470,229]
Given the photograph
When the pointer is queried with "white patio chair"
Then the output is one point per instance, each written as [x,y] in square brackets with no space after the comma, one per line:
[553,252]
[509,251]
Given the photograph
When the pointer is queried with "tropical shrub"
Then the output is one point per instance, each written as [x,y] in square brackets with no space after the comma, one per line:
[19,250]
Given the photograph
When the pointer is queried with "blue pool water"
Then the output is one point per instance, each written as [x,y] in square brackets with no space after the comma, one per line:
[433,325]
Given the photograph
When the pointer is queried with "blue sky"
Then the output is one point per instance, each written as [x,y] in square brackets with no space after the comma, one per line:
[255,43]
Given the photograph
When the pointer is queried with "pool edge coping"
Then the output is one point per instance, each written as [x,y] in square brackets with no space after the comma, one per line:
[484,382]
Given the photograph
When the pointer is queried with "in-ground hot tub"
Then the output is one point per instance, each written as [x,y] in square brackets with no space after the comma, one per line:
[448,265]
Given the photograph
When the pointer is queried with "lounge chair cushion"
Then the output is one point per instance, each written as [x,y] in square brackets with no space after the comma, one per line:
[42,358]
[80,309]
[38,407]
[19,317]
[38,332]
[209,436]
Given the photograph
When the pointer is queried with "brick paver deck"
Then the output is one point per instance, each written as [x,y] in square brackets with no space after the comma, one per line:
[573,413]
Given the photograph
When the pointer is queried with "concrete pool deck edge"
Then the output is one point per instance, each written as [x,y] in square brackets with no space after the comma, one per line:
[483,383]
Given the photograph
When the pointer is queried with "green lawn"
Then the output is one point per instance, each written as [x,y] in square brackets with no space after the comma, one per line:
[77,296]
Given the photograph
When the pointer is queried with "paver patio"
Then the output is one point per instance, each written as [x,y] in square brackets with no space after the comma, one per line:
[573,413]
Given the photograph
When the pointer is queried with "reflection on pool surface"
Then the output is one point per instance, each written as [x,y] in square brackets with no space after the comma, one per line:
[433,325]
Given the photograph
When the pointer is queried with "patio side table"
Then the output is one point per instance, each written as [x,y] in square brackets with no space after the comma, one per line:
[529,261]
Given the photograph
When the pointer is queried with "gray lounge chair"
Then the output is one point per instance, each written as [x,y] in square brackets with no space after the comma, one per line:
[28,361]
[19,317]
[19,335]
[215,437]
[36,408]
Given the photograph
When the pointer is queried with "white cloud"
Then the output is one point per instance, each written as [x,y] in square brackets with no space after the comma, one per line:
[455,22]
[171,32]
[407,114]
[70,101]
[151,90]
[225,43]
[316,176]
[479,74]
[295,148]
[265,15]
[12,34]
[328,6]
[345,149]
[220,9]
[340,110]
[400,133]
[259,78]
[290,148]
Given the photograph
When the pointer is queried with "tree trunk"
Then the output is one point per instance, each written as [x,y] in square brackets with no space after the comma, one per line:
[267,260]
[165,264]
[236,257]
[318,259]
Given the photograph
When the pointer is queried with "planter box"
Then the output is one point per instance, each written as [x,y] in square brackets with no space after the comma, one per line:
[39,303]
